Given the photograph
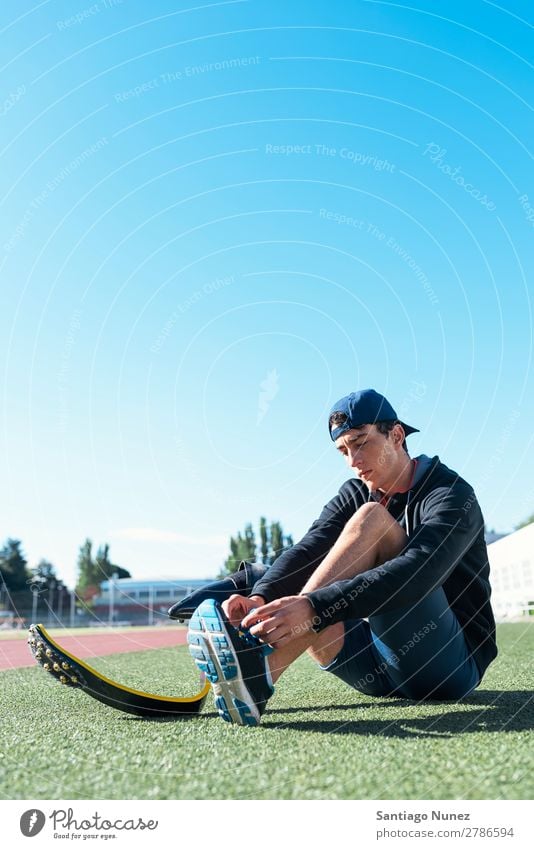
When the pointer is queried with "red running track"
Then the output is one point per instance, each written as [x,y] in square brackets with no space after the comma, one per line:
[14,654]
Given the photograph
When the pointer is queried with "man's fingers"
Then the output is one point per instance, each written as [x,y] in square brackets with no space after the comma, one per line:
[259,614]
[262,629]
[234,608]
[275,635]
[229,604]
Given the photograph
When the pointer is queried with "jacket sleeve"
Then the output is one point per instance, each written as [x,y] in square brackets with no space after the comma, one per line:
[450,523]
[291,570]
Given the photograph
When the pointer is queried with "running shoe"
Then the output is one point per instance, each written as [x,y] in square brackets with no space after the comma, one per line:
[234,661]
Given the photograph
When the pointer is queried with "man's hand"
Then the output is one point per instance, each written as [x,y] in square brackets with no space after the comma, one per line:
[237,606]
[281,621]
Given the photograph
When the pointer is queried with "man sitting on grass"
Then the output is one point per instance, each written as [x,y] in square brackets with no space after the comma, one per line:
[388,589]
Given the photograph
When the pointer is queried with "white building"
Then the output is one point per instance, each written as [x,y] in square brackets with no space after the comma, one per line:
[512,574]
[141,601]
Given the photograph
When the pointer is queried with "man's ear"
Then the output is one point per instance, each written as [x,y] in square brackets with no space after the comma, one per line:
[398,434]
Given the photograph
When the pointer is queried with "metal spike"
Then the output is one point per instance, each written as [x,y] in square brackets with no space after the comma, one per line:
[49,652]
[56,667]
[65,665]
[63,679]
[46,666]
[73,679]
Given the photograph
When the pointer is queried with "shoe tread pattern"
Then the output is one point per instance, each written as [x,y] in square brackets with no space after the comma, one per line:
[205,633]
[244,713]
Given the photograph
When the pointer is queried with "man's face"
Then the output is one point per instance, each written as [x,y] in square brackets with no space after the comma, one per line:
[374,456]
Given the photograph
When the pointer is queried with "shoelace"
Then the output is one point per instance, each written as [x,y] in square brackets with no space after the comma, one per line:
[253,641]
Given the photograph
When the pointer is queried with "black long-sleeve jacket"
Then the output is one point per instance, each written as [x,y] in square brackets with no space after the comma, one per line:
[445,547]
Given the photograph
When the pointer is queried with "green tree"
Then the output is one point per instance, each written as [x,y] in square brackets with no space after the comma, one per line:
[243,546]
[43,576]
[88,573]
[278,542]
[264,540]
[14,566]
[92,571]
[249,545]
[106,568]
[49,587]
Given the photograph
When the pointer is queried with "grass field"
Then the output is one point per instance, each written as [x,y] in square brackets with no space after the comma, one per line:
[319,740]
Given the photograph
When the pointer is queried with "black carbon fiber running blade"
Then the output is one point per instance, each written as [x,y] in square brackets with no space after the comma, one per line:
[73,672]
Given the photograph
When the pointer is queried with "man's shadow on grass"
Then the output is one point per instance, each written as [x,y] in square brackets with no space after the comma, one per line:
[498,710]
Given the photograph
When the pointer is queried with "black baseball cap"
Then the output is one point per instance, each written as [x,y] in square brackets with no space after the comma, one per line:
[364,407]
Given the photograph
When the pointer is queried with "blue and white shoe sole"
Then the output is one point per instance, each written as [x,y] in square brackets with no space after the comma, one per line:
[212,650]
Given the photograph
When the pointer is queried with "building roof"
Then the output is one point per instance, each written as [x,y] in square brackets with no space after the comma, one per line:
[523,538]
[127,584]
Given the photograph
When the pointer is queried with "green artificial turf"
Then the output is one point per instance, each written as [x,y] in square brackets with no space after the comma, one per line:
[319,739]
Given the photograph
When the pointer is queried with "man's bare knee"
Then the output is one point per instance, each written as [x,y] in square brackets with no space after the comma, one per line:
[372,512]
[380,528]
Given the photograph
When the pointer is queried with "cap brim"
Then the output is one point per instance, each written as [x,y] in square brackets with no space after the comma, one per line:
[408,429]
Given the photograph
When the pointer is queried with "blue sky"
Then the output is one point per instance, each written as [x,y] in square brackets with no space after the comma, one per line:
[218,219]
